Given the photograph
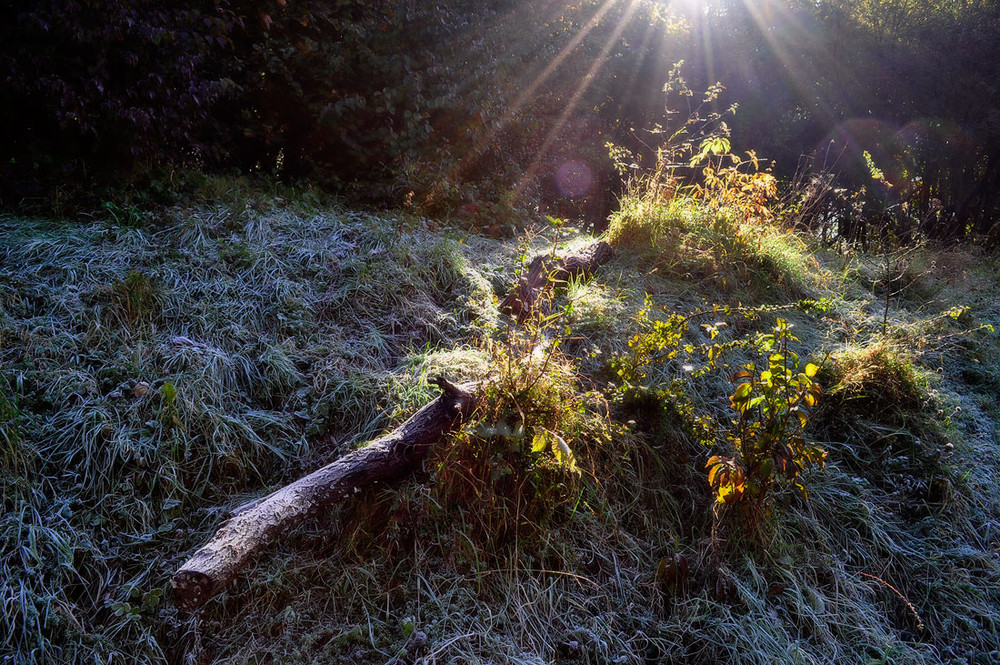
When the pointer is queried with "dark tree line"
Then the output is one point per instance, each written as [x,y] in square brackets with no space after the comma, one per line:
[459,103]
[451,102]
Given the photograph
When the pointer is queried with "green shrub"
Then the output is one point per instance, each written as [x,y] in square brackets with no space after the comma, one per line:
[768,440]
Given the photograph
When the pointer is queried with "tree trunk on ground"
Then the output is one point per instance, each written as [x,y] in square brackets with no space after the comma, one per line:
[253,526]
[547,269]
[256,525]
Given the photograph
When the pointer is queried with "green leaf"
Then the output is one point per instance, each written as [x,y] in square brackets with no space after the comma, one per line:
[742,392]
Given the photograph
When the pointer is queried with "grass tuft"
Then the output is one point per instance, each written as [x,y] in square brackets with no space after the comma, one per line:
[731,256]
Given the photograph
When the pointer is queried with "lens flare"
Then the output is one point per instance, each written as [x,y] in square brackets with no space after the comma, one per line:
[574,179]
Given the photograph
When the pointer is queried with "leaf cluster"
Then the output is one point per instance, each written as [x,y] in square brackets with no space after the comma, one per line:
[773,407]
[773,403]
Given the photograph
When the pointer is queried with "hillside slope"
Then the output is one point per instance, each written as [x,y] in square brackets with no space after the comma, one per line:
[156,374]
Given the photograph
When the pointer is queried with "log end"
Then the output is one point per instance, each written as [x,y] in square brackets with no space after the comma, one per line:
[447,387]
[192,588]
[602,253]
[462,398]
[547,268]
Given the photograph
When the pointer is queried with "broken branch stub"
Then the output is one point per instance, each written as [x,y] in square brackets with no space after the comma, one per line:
[256,525]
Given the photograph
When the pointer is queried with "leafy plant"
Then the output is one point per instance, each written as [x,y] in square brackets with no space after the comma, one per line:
[773,406]
[701,133]
[662,340]
[532,393]
[734,183]
[726,180]
[522,463]
[169,413]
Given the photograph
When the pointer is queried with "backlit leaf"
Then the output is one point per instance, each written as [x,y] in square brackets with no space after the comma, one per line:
[540,442]
[563,453]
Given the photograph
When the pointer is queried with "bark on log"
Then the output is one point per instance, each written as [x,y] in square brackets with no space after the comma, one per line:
[254,526]
[547,269]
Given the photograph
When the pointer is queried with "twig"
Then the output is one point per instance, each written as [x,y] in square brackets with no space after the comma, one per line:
[920,622]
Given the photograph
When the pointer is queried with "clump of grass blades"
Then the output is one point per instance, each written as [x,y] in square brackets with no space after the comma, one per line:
[520,463]
[876,377]
[685,236]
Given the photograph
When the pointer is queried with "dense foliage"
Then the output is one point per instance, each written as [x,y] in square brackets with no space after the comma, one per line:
[396,100]
[102,85]
[455,105]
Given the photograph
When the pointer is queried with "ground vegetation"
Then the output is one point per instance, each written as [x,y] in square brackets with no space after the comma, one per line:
[240,240]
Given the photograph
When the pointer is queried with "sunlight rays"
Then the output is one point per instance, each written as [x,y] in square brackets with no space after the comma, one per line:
[550,69]
[488,137]
[785,33]
[585,83]
[536,82]
[780,28]
[647,37]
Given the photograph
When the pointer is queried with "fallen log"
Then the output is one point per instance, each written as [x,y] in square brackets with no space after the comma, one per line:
[255,525]
[547,269]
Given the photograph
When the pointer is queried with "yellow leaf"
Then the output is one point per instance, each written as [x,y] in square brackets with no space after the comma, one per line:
[540,442]
[811,370]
